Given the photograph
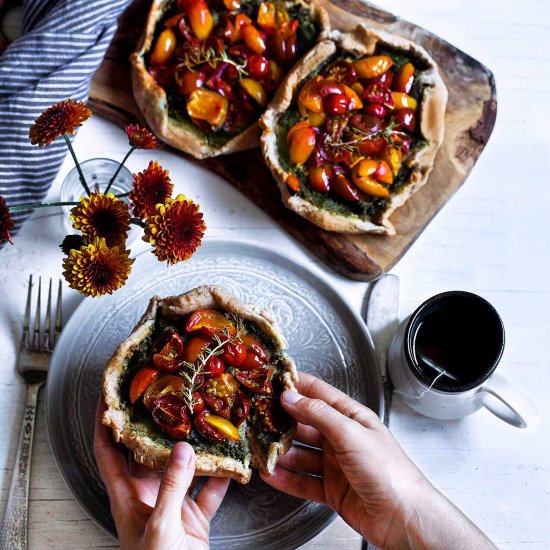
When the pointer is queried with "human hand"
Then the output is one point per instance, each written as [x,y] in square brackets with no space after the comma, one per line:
[358,469]
[154,512]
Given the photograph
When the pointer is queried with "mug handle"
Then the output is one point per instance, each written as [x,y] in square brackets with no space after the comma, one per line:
[510,405]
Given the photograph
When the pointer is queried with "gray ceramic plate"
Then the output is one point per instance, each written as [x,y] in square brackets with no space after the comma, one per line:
[326,338]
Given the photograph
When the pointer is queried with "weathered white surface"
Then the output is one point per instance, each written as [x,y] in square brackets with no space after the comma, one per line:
[491,238]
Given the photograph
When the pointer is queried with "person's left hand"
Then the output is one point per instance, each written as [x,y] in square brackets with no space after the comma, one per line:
[153,512]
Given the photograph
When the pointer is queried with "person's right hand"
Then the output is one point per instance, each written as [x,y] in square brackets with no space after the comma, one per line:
[354,465]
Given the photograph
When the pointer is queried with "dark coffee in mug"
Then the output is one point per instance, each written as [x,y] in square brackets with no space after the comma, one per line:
[455,338]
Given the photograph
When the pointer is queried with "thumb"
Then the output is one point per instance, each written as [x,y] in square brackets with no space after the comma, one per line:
[316,413]
[176,478]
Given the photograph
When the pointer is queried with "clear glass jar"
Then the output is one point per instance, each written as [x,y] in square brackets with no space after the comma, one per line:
[97,173]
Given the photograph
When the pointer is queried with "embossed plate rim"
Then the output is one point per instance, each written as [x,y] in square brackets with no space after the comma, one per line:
[251,250]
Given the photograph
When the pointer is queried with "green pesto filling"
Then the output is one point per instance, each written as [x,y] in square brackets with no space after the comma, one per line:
[372,207]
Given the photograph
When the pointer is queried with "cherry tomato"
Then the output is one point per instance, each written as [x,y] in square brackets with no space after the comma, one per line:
[164,48]
[257,380]
[198,402]
[234,353]
[383,173]
[301,145]
[363,177]
[257,67]
[372,66]
[207,105]
[141,381]
[404,101]
[163,75]
[402,141]
[272,416]
[379,95]
[241,408]
[329,87]
[190,81]
[170,413]
[232,5]
[164,384]
[343,189]
[251,362]
[194,347]
[168,359]
[214,367]
[341,71]
[309,98]
[318,178]
[372,147]
[200,18]
[406,118]
[404,79]
[255,90]
[241,21]
[215,428]
[385,80]
[210,322]
[254,346]
[375,110]
[293,182]
[336,104]
[219,393]
[253,38]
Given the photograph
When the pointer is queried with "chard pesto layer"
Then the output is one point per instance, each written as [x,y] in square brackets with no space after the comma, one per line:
[220,61]
[210,380]
[351,130]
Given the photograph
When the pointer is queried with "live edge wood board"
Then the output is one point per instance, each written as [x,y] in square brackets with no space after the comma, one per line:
[470,118]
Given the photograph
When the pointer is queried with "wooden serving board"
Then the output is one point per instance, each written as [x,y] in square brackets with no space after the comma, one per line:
[470,118]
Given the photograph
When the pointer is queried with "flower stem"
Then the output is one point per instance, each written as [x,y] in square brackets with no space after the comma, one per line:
[71,150]
[122,195]
[35,205]
[132,149]
[135,221]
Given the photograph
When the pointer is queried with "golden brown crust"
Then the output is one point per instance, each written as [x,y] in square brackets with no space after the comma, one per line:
[152,100]
[361,41]
[153,454]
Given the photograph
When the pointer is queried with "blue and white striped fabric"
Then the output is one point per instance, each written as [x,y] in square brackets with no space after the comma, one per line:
[62,45]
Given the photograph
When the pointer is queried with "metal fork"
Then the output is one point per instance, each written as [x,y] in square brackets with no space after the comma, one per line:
[34,359]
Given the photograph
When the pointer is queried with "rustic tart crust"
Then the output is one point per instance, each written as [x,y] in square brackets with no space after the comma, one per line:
[361,41]
[151,98]
[153,454]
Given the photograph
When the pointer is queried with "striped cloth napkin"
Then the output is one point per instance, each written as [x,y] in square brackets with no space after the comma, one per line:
[62,45]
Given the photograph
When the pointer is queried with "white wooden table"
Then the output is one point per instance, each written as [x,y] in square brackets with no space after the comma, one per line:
[492,239]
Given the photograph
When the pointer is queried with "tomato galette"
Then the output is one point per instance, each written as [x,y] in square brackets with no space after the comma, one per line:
[205,70]
[208,369]
[355,129]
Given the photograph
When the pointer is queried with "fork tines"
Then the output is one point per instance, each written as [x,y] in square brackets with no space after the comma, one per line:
[47,342]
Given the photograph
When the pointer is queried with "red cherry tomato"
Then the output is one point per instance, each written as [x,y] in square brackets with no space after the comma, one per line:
[198,401]
[254,346]
[141,381]
[372,147]
[209,321]
[252,362]
[234,353]
[241,408]
[378,94]
[170,413]
[385,80]
[257,380]
[406,118]
[168,359]
[214,367]
[343,189]
[336,104]
[272,416]
[341,71]
[257,66]
[375,110]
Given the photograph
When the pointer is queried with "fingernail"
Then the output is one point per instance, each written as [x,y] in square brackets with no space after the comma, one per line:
[182,454]
[291,397]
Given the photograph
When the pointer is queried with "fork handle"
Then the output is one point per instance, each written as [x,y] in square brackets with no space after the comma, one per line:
[14,530]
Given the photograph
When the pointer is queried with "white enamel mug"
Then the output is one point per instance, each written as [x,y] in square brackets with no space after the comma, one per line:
[431,392]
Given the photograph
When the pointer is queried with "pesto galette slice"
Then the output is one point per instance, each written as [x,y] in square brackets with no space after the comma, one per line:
[205,70]
[205,368]
[355,129]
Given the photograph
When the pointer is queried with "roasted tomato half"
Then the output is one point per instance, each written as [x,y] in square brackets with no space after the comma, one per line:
[219,393]
[141,381]
[216,428]
[169,356]
[194,347]
[252,362]
[241,408]
[170,413]
[272,416]
[257,380]
[251,344]
[210,322]
[165,384]
[234,353]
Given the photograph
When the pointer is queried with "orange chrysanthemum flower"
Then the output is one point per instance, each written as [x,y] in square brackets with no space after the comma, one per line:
[150,187]
[141,138]
[95,269]
[176,230]
[6,223]
[61,118]
[102,216]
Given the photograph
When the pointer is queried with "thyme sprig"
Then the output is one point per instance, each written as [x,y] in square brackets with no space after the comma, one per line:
[192,373]
[193,59]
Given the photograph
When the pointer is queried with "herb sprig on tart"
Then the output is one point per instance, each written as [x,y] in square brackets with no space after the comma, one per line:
[355,129]
[208,369]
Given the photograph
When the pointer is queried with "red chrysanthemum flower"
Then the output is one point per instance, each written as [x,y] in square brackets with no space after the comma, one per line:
[60,119]
[103,216]
[71,242]
[150,187]
[95,269]
[176,230]
[6,223]
[141,138]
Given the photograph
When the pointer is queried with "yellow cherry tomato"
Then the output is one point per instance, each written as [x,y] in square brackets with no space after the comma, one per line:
[255,90]
[404,101]
[372,66]
[164,48]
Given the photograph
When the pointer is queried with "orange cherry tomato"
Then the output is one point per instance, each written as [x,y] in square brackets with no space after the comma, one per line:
[266,16]
[194,347]
[241,21]
[164,48]
[383,173]
[317,119]
[373,66]
[253,39]
[301,145]
[190,81]
[404,79]
[309,98]
[393,156]
[251,344]
[209,106]
[351,94]
[362,176]
[232,5]
[174,20]
[141,381]
[294,128]
[318,178]
[210,322]
[255,90]
[167,383]
[200,18]
[404,101]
